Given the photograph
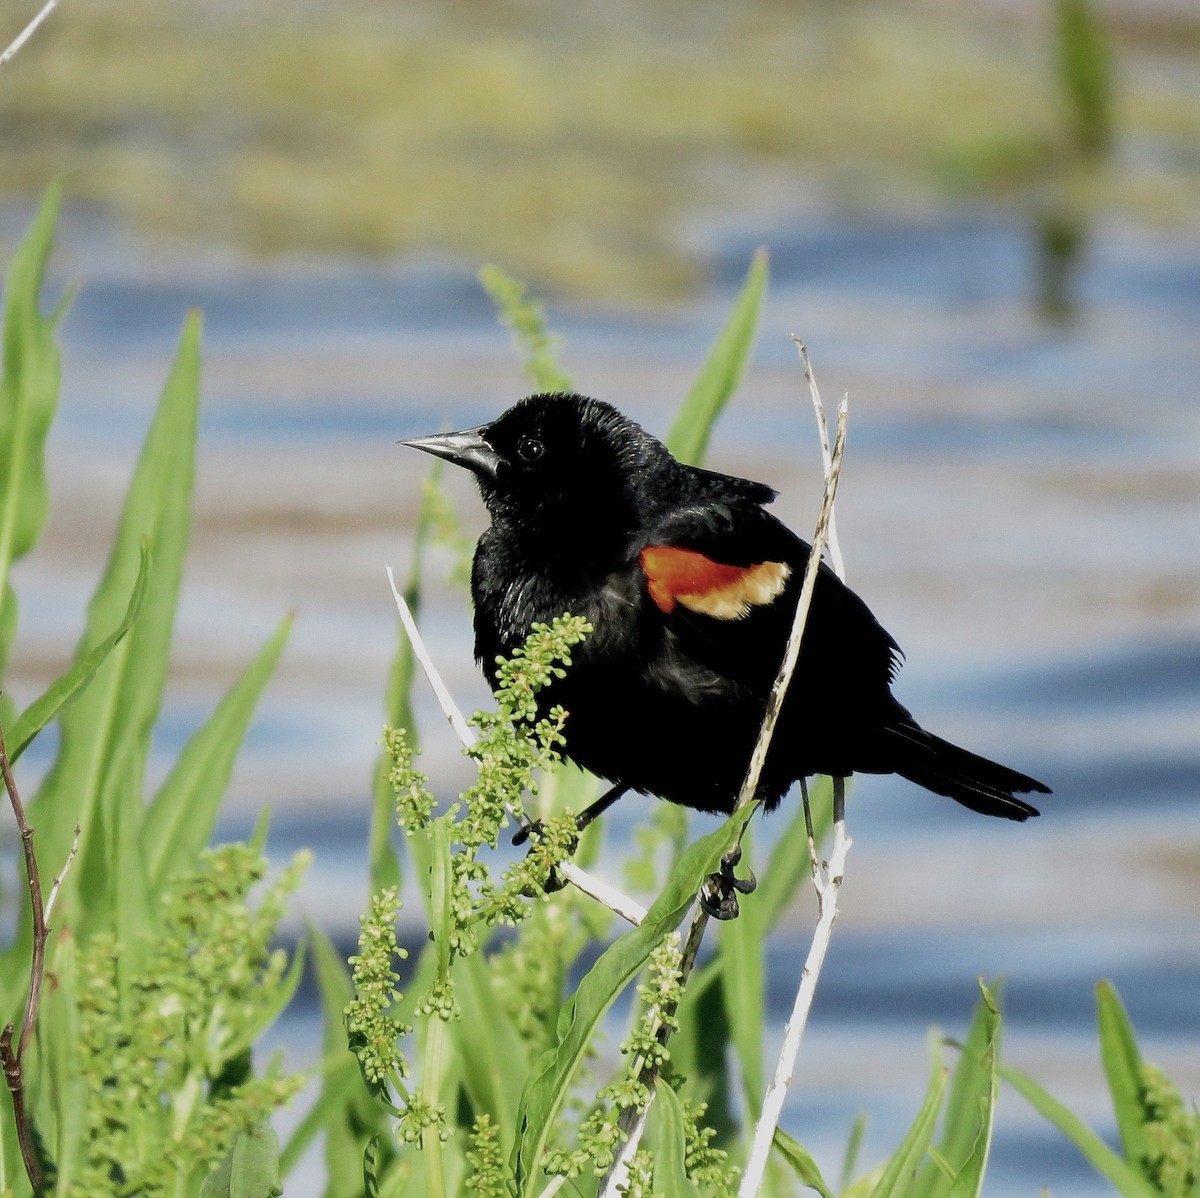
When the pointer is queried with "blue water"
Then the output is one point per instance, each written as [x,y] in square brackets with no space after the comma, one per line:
[1019,504]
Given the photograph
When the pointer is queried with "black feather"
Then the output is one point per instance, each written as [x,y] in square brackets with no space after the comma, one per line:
[667,697]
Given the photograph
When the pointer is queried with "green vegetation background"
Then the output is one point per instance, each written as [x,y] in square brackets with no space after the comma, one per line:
[578,143]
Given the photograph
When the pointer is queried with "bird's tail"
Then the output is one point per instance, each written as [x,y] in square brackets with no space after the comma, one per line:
[975,782]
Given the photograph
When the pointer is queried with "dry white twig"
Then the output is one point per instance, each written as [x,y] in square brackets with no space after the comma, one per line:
[827,881]
[62,873]
[633,1126]
[835,548]
[629,910]
[28,31]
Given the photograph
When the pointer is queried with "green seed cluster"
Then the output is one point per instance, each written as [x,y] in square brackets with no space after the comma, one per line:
[166,1025]
[375,1036]
[1173,1132]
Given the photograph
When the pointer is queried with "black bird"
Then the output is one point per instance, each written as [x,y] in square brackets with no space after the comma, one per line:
[691,586]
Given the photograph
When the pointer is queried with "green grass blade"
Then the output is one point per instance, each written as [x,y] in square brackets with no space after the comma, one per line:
[97,777]
[550,1081]
[971,1106]
[344,1111]
[58,1039]
[698,1049]
[722,370]
[670,1156]
[967,1122]
[801,1162]
[250,1169]
[491,1052]
[854,1144]
[1123,1069]
[1122,1177]
[1086,75]
[60,693]
[29,384]
[180,820]
[898,1173]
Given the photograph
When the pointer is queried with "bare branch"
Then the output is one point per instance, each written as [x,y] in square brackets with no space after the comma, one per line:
[28,31]
[835,549]
[828,882]
[62,873]
[827,879]
[629,910]
[792,652]
[13,1059]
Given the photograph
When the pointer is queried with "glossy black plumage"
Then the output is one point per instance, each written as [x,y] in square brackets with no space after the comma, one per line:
[666,697]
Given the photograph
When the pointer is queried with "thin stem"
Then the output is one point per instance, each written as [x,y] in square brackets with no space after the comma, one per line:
[835,549]
[56,884]
[828,883]
[431,1137]
[13,1059]
[27,32]
[792,652]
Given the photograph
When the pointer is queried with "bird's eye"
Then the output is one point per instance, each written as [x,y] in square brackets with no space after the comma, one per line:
[529,449]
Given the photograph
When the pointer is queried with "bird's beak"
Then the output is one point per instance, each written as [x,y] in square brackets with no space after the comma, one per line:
[467,448]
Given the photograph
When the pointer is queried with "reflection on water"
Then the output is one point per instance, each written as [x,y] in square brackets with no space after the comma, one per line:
[1018,505]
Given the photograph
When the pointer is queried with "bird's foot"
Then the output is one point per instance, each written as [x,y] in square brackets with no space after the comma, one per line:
[718,895]
[534,830]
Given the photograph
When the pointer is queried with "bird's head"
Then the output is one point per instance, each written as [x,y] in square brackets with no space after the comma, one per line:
[554,462]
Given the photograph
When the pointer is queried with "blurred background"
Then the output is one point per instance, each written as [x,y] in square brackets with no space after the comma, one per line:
[984,220]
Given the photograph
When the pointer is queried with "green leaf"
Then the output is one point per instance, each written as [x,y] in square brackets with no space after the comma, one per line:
[1086,75]
[371,1168]
[698,1048]
[801,1162]
[853,1147]
[180,820]
[722,370]
[971,1106]
[251,1168]
[1123,1069]
[59,1035]
[670,1171]
[60,693]
[344,1111]
[29,386]
[493,1055]
[441,895]
[1124,1179]
[551,1078]
[898,1173]
[96,780]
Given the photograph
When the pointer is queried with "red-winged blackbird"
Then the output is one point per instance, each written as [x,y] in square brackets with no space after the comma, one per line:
[691,587]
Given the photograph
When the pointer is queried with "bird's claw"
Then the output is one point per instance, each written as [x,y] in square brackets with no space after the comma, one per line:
[534,829]
[718,895]
[531,827]
[554,882]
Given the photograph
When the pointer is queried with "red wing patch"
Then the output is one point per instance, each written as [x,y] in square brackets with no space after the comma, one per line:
[682,576]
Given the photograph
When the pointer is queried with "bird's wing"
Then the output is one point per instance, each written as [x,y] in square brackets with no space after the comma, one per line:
[723,578]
